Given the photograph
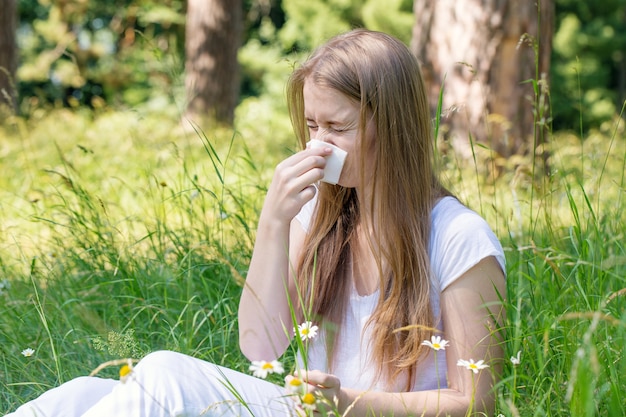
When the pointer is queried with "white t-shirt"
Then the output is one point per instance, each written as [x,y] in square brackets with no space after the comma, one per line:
[459,239]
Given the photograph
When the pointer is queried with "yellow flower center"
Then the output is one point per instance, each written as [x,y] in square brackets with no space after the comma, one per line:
[305,332]
[296,382]
[308,398]
[268,366]
[125,370]
[436,345]
[473,366]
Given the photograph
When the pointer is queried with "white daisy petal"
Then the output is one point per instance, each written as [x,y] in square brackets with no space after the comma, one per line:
[471,365]
[261,369]
[28,352]
[307,330]
[436,343]
[516,360]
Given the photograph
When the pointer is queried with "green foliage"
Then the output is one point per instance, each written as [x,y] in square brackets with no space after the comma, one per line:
[588,63]
[79,52]
[394,17]
[309,23]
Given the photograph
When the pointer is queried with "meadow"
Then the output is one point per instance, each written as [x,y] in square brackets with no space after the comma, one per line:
[126,232]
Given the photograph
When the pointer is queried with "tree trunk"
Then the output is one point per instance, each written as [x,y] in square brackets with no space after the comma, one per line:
[212,39]
[483,52]
[8,55]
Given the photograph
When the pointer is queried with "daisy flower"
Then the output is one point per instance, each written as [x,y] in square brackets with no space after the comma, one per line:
[472,366]
[125,372]
[295,385]
[516,360]
[436,343]
[306,330]
[308,401]
[28,352]
[261,369]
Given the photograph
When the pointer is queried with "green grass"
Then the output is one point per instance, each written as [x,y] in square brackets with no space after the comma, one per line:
[123,233]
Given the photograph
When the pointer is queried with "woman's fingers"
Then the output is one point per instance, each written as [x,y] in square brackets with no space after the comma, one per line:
[293,183]
[315,382]
[306,166]
[322,380]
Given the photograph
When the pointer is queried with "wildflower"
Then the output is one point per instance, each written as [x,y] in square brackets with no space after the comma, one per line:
[295,385]
[436,343]
[472,366]
[306,330]
[308,401]
[261,369]
[28,352]
[516,360]
[125,372]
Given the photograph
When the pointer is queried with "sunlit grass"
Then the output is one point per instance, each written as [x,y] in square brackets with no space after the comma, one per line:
[120,226]
[124,233]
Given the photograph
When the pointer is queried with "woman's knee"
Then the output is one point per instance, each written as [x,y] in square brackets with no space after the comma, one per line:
[163,364]
[160,358]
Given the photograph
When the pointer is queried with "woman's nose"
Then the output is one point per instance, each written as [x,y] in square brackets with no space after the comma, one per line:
[322,135]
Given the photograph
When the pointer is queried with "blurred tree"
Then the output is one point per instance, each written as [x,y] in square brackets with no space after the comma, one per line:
[483,52]
[212,39]
[8,55]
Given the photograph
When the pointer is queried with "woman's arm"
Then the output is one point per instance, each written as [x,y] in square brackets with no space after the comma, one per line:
[471,308]
[265,322]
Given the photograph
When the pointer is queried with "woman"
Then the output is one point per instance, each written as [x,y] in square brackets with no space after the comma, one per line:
[383,262]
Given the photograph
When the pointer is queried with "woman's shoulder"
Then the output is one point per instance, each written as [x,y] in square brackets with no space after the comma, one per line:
[451,216]
[450,207]
[459,239]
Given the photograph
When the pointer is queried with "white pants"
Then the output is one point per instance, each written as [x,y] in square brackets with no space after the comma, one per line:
[164,384]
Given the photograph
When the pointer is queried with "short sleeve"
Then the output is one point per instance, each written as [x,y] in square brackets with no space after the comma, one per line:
[460,239]
[306,214]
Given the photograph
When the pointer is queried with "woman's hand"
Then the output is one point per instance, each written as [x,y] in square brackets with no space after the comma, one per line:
[292,186]
[320,388]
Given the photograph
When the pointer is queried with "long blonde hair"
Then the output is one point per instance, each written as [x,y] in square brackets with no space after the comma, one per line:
[381,74]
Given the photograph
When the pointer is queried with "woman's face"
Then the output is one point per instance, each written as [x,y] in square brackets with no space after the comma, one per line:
[334,118]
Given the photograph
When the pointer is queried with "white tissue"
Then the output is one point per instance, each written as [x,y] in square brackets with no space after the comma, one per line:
[334,162]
